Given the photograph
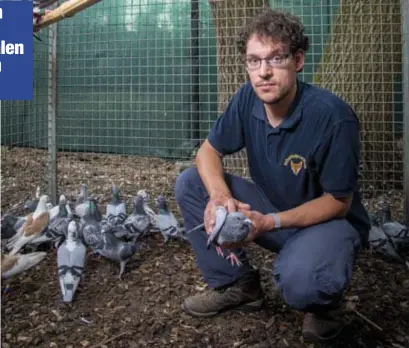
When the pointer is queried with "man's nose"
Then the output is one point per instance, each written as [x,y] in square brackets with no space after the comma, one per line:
[264,70]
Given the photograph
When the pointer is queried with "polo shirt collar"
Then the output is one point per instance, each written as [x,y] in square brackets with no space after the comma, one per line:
[294,113]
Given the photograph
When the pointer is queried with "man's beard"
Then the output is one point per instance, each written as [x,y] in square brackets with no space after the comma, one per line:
[276,100]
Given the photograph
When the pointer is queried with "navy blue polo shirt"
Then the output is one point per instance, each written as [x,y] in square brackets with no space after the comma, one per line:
[314,150]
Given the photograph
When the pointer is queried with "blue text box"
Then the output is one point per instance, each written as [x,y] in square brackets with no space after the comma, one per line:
[16,36]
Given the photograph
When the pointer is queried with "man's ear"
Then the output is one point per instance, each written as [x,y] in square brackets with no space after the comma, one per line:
[299,59]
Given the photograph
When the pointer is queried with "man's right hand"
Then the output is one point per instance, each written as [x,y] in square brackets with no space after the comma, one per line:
[229,203]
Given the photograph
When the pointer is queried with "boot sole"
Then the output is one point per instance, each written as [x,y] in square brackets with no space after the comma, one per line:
[245,307]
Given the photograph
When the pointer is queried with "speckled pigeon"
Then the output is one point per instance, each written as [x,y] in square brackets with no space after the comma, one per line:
[149,211]
[91,226]
[116,209]
[138,222]
[229,228]
[71,259]
[57,227]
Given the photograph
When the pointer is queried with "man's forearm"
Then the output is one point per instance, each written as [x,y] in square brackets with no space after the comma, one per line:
[314,212]
[210,168]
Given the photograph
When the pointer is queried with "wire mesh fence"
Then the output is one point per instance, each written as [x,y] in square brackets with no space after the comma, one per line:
[24,136]
[140,83]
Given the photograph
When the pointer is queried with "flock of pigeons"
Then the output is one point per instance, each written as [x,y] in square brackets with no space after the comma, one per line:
[115,235]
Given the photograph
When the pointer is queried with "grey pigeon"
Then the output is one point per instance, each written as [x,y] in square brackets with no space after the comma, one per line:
[10,225]
[53,211]
[398,233]
[116,250]
[229,228]
[116,209]
[31,204]
[380,241]
[71,258]
[166,221]
[138,222]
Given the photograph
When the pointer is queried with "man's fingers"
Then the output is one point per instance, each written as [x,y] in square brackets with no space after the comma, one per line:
[244,206]
[231,205]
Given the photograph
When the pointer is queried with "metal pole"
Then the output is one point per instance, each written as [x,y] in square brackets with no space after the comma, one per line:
[405,64]
[195,71]
[52,109]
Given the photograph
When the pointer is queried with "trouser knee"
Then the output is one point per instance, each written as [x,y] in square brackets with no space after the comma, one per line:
[185,182]
[313,291]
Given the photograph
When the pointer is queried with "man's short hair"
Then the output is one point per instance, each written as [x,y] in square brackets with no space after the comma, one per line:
[277,26]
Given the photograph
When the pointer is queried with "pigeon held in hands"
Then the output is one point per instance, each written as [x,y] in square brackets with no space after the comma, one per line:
[230,228]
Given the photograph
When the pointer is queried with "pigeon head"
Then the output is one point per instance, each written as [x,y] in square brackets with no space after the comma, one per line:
[143,194]
[138,205]
[161,202]
[384,213]
[62,201]
[115,191]
[42,203]
[92,209]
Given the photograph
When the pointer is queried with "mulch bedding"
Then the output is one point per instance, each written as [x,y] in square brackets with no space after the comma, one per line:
[143,309]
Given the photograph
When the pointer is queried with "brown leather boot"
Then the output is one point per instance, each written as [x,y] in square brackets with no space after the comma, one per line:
[245,294]
[320,327]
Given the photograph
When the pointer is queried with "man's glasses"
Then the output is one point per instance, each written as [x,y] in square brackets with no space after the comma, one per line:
[277,61]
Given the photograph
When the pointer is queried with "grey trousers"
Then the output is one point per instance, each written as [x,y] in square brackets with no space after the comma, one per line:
[314,264]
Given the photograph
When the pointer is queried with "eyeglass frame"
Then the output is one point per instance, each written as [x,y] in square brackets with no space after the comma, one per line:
[269,64]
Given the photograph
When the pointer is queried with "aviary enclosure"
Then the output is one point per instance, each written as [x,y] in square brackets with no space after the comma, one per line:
[125,92]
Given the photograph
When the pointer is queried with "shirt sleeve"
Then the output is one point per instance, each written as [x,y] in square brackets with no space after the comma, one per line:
[227,133]
[338,159]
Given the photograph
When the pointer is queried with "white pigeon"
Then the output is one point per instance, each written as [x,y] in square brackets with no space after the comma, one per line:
[71,258]
[34,226]
[15,264]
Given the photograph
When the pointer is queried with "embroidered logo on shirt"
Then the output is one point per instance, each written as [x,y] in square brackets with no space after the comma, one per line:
[296,162]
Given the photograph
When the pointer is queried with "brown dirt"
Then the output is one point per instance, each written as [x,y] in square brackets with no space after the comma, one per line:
[143,310]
